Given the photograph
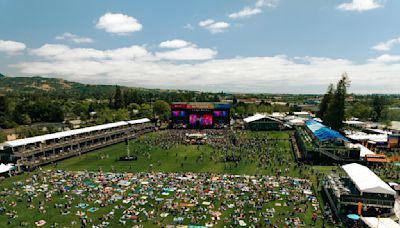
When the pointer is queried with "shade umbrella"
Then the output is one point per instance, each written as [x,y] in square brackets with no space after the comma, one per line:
[353,216]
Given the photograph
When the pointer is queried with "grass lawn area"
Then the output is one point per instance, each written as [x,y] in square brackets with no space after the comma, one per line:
[165,160]
[267,134]
[180,158]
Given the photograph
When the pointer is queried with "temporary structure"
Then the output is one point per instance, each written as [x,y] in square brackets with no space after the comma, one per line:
[367,181]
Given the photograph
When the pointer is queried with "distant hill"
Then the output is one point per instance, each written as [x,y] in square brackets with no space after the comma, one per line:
[39,84]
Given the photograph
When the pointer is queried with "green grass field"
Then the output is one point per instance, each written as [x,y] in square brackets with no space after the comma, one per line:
[180,158]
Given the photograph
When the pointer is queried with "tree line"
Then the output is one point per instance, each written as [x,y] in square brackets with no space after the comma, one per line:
[335,107]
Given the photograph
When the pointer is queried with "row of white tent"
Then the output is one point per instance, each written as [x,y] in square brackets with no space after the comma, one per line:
[373,138]
[62,134]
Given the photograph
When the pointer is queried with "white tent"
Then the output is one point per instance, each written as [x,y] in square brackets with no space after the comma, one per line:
[5,168]
[366,180]
[257,116]
[361,136]
[374,222]
[363,150]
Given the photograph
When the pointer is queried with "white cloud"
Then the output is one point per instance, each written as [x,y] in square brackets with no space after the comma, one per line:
[267,3]
[188,53]
[11,47]
[213,26]
[257,9]
[218,27]
[386,59]
[174,44]
[245,12]
[118,23]
[360,5]
[206,22]
[65,53]
[188,27]
[386,46]
[74,38]
[135,66]
[129,53]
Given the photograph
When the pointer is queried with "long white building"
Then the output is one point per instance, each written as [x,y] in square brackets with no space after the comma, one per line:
[31,152]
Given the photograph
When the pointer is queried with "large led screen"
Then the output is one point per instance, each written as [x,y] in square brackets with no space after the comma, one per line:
[206,119]
[178,113]
[220,113]
[193,119]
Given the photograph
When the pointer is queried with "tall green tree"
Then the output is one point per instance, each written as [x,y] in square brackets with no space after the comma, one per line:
[251,109]
[336,109]
[216,98]
[162,109]
[323,107]
[4,105]
[118,98]
[378,104]
[235,101]
[2,136]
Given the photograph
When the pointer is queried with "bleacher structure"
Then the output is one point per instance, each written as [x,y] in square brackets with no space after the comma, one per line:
[31,152]
[320,144]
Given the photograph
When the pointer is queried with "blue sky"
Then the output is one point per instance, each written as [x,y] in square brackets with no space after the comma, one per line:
[289,46]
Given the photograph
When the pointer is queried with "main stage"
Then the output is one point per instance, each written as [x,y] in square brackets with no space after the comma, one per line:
[200,115]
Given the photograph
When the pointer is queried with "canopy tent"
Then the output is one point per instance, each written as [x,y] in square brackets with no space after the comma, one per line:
[374,222]
[260,117]
[364,151]
[322,132]
[58,135]
[361,136]
[5,168]
[355,123]
[254,118]
[297,121]
[365,180]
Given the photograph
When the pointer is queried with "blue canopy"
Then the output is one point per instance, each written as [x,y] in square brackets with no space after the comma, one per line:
[322,132]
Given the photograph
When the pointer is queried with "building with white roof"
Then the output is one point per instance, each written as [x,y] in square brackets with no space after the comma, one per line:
[358,185]
[303,114]
[39,150]
[263,122]
[364,151]
[367,181]
[374,222]
[355,123]
[376,138]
